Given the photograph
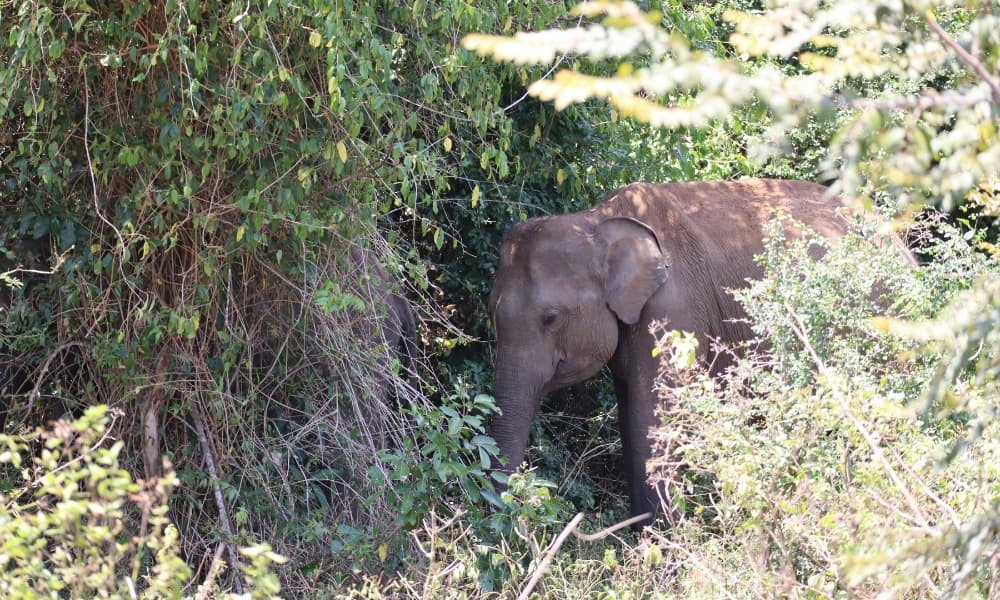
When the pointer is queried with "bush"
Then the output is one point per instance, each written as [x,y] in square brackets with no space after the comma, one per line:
[828,474]
[195,182]
[74,524]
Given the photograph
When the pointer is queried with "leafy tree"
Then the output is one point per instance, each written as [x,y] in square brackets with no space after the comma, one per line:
[192,199]
[918,81]
[203,188]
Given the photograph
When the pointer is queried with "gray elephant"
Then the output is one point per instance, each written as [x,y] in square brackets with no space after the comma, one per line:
[391,320]
[578,291]
[401,336]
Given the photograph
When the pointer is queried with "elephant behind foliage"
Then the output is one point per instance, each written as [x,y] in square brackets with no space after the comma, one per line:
[578,291]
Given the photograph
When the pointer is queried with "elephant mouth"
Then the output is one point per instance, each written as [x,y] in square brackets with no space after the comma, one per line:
[567,374]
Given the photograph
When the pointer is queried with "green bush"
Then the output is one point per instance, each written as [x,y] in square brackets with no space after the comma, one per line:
[829,475]
[74,524]
[193,181]
[440,479]
[448,458]
[197,179]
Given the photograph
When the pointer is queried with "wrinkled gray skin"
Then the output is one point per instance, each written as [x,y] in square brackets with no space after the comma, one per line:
[402,335]
[578,291]
[399,329]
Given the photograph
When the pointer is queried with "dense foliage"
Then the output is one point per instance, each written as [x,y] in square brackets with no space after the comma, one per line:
[828,474]
[204,210]
[850,460]
[814,469]
[76,524]
[196,201]
[918,81]
[207,209]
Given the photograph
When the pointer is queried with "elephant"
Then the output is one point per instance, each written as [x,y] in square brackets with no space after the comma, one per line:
[575,292]
[401,337]
[391,319]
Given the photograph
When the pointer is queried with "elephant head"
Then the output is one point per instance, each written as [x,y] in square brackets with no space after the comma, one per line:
[564,285]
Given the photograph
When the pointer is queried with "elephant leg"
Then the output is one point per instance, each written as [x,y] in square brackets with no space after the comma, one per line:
[633,423]
[635,370]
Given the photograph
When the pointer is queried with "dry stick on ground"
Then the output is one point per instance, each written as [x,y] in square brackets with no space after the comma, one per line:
[571,528]
[220,501]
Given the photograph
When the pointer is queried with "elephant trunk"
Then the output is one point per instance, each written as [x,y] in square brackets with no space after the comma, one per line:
[518,396]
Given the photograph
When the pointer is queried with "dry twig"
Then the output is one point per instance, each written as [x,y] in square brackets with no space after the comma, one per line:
[550,552]
[220,501]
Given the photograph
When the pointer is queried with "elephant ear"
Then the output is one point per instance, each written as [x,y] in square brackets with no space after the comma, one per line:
[635,265]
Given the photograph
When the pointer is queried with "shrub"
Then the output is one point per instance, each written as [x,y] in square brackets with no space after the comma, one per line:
[194,180]
[828,474]
[74,524]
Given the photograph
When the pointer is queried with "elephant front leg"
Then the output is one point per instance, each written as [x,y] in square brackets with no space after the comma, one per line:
[633,423]
[636,416]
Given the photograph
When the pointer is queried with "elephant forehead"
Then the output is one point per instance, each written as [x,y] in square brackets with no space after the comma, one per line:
[545,261]
[558,246]
[557,263]
[543,235]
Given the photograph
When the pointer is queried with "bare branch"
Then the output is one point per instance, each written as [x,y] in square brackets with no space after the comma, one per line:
[592,537]
[547,556]
[967,58]
[205,589]
[59,260]
[571,528]
[921,102]
[90,163]
[36,390]
[220,501]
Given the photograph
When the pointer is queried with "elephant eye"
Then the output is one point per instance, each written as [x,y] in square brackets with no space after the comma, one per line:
[549,317]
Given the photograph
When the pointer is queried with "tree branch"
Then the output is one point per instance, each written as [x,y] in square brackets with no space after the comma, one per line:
[220,501]
[921,102]
[36,390]
[547,557]
[571,528]
[973,63]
